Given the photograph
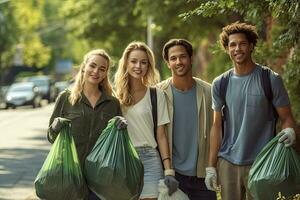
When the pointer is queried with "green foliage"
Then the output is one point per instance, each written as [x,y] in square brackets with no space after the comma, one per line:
[8,33]
[292,80]
[21,21]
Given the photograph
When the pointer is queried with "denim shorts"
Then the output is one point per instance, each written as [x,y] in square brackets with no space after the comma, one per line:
[152,171]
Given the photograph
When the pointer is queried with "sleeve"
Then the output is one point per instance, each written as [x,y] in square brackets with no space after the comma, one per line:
[217,101]
[280,95]
[162,109]
[51,135]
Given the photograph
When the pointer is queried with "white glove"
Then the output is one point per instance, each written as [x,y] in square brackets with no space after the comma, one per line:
[288,137]
[211,178]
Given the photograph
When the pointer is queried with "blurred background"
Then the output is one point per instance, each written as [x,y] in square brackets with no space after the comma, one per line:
[43,41]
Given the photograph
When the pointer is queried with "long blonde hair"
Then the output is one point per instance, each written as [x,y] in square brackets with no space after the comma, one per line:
[121,80]
[79,81]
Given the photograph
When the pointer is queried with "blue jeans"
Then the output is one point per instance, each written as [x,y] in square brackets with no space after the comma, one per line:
[194,187]
[152,171]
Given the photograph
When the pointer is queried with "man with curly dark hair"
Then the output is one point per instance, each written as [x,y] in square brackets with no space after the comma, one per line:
[246,100]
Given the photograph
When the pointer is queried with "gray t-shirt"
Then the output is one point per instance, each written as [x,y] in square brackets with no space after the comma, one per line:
[248,127]
[185,131]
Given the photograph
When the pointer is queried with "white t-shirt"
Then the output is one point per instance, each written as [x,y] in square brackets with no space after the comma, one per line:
[140,121]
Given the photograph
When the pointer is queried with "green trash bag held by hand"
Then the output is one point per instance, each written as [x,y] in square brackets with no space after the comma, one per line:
[276,169]
[60,177]
[113,169]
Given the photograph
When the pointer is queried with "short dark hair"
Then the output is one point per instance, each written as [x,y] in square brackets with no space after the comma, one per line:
[174,42]
[238,27]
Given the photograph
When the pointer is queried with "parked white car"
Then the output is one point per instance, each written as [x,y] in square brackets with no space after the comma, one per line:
[25,93]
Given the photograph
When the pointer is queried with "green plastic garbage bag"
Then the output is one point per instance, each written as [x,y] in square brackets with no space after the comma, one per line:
[60,177]
[113,169]
[276,169]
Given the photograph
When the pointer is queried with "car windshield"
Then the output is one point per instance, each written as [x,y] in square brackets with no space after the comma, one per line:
[20,88]
[40,82]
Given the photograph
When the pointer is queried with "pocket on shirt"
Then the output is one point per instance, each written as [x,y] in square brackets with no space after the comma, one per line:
[257,100]
[106,116]
[73,115]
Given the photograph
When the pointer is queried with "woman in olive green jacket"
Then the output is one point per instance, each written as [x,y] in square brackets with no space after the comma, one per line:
[89,105]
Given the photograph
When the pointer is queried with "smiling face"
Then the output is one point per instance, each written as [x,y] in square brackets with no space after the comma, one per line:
[239,49]
[137,64]
[179,61]
[95,70]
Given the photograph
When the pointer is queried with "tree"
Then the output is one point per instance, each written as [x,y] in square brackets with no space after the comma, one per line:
[8,34]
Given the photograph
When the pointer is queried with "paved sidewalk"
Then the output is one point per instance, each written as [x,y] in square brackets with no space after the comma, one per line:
[23,149]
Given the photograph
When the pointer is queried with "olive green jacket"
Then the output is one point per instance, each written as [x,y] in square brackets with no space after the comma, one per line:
[205,111]
[87,122]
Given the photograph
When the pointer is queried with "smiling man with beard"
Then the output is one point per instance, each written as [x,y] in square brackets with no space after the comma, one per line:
[189,105]
[244,114]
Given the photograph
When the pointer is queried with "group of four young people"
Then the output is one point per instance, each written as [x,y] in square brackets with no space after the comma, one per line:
[184,113]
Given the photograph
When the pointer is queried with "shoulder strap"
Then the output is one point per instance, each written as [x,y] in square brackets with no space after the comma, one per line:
[266,83]
[153,96]
[223,89]
[224,83]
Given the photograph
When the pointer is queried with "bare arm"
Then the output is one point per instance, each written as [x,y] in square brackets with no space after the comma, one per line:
[215,139]
[286,117]
[163,146]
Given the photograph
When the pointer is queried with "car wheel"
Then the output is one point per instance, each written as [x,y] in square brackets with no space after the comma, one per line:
[35,103]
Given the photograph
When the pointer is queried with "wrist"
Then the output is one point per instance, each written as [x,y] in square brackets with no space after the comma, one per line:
[210,170]
[169,172]
[289,130]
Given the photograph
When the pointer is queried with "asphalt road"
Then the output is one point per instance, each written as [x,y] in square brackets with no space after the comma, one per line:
[23,149]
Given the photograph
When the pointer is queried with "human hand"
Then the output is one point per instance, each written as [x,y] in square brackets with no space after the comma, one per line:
[58,123]
[288,137]
[121,122]
[171,183]
[211,178]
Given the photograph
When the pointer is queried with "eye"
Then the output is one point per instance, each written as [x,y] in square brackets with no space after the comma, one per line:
[183,56]
[173,58]
[144,62]
[102,69]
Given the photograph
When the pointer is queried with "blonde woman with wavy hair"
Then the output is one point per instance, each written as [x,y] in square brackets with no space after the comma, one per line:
[89,106]
[150,78]
[135,75]
[79,80]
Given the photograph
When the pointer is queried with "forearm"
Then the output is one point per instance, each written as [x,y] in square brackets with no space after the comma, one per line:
[286,117]
[288,123]
[51,135]
[215,144]
[163,147]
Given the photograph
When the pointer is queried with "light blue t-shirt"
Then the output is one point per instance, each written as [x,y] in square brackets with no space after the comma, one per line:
[248,127]
[185,131]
